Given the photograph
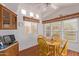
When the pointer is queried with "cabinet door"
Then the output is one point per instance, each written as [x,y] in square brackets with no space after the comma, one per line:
[0,17]
[14,22]
[6,19]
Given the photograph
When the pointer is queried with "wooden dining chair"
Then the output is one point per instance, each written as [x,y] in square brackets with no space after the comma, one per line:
[43,47]
[63,51]
[57,38]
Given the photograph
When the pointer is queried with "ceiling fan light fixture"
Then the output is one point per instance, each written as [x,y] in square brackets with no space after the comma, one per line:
[37,16]
[23,11]
[31,14]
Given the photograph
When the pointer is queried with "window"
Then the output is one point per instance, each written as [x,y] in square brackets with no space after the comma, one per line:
[30,27]
[34,27]
[27,27]
[56,33]
[67,29]
[56,28]
[70,28]
[48,29]
[70,24]
[70,35]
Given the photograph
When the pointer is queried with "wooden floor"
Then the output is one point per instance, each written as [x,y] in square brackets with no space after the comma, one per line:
[33,51]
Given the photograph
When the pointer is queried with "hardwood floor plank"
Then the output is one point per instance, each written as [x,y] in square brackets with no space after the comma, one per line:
[33,51]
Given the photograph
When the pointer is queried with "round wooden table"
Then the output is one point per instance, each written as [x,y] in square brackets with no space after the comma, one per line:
[54,47]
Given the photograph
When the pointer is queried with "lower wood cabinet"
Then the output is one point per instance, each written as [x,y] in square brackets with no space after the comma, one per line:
[12,50]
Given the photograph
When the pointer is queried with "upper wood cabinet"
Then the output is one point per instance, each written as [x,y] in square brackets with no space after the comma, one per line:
[0,17]
[8,19]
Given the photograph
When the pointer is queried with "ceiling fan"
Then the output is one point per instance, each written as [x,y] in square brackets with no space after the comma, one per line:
[48,4]
[51,5]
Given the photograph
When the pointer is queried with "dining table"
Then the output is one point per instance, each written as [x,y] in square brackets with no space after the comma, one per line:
[54,46]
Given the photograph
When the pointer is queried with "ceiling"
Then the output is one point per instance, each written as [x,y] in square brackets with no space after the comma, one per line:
[12,6]
[43,9]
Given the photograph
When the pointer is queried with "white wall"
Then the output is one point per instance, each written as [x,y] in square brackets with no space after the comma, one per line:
[24,41]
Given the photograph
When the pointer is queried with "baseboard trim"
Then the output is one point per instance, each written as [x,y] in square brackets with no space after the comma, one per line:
[72,50]
[28,48]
